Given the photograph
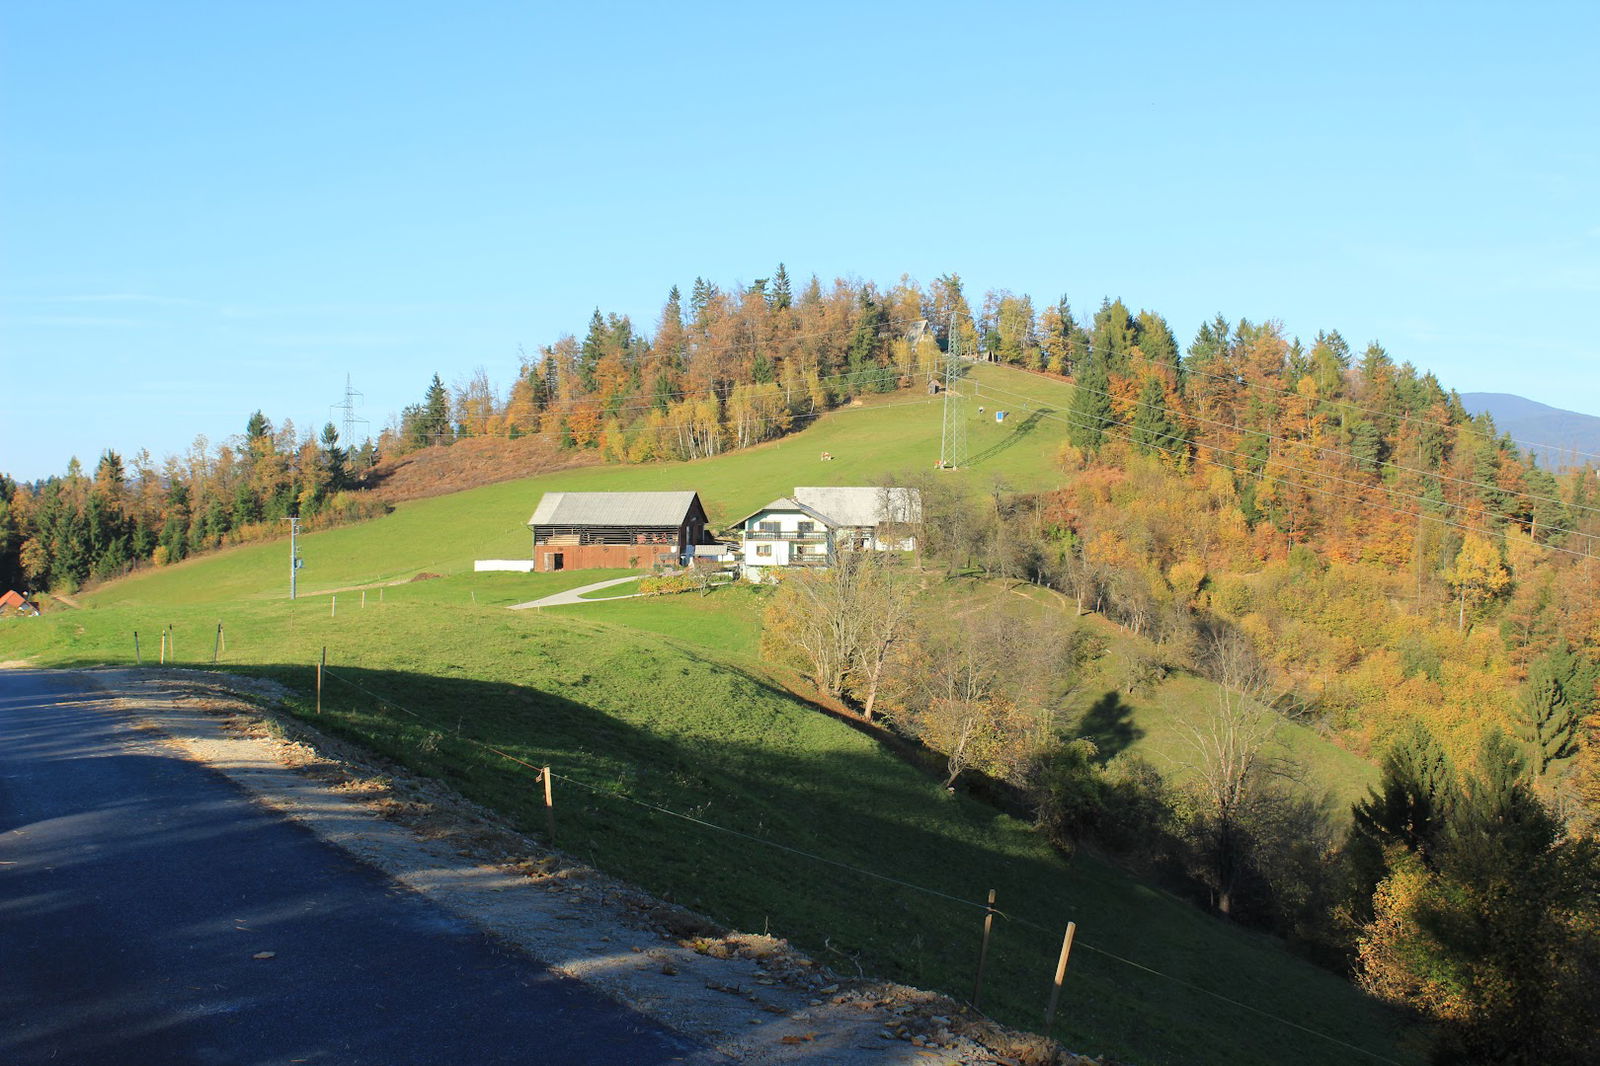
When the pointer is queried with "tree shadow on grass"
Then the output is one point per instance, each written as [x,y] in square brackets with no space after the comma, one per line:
[1017,435]
[1109,723]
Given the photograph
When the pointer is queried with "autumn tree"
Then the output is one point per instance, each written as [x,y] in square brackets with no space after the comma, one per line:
[841,623]
[1499,940]
[1477,575]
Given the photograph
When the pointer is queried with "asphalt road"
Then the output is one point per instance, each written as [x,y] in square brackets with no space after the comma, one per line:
[137,887]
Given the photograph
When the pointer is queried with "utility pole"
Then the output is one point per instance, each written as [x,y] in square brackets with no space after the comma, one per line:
[953,439]
[294,554]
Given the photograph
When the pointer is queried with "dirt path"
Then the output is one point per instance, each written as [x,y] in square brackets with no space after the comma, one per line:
[752,998]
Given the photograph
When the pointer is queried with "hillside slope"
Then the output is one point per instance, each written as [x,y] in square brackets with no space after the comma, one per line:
[661,702]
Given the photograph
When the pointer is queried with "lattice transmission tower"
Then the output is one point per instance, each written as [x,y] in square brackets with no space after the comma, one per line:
[953,440]
[347,432]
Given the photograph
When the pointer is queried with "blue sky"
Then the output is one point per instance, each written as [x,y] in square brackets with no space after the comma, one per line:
[211,208]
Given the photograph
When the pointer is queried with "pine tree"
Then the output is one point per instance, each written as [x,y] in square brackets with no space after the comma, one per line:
[1160,347]
[595,343]
[1551,707]
[1155,429]
[1112,334]
[779,296]
[1409,811]
[1090,411]
[436,413]
[335,460]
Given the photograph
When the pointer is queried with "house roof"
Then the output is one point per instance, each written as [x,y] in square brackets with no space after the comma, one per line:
[613,508]
[786,503]
[863,506]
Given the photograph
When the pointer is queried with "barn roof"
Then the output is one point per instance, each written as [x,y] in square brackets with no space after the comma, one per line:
[613,508]
[865,506]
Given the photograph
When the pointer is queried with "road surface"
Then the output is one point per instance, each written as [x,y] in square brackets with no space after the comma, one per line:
[151,913]
[559,599]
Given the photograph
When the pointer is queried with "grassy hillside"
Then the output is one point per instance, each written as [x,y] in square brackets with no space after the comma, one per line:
[661,701]
[445,534]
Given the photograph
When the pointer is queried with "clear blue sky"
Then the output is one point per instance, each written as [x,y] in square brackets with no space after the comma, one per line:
[211,208]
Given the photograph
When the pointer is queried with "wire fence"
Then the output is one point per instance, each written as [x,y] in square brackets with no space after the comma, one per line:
[546,776]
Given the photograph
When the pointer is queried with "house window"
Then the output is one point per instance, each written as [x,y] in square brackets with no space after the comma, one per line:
[808,527]
[768,527]
[763,549]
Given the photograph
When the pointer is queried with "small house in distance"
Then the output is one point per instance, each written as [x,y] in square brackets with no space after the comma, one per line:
[15,602]
[625,530]
[810,528]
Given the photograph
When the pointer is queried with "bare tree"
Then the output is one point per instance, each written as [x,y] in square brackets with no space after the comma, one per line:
[885,606]
[1230,760]
[843,623]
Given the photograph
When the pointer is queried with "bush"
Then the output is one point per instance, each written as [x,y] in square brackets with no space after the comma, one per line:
[666,586]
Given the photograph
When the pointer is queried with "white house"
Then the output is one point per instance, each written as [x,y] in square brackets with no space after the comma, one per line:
[812,526]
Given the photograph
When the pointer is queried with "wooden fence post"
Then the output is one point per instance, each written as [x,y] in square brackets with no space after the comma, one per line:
[1061,973]
[549,805]
[138,660]
[333,606]
[163,647]
[216,645]
[983,952]
[322,664]
[363,599]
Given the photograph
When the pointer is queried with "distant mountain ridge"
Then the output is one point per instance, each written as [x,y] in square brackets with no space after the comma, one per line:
[1561,439]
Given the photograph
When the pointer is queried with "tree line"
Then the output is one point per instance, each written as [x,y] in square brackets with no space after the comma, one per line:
[79,527]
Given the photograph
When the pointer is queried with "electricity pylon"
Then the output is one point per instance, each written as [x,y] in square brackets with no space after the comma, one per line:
[348,433]
[953,440]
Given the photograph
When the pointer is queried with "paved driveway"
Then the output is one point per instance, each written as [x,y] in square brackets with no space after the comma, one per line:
[576,595]
[151,913]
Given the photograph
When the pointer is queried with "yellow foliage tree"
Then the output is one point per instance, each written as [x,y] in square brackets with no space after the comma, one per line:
[1477,575]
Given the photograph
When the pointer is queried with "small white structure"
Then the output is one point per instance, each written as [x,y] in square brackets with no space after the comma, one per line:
[810,528]
[521,566]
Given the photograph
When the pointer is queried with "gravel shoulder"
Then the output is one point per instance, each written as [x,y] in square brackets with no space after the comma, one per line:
[751,998]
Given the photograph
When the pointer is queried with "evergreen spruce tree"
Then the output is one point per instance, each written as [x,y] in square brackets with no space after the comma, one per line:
[1159,346]
[1090,411]
[1113,333]
[594,347]
[1408,812]
[1155,430]
[436,413]
[780,296]
[1552,706]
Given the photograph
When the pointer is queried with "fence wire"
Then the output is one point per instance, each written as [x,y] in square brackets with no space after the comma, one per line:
[386,702]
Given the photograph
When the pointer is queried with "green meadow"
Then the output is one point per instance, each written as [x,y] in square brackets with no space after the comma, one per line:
[784,819]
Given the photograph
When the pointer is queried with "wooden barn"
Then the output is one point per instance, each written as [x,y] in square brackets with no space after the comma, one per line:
[624,530]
